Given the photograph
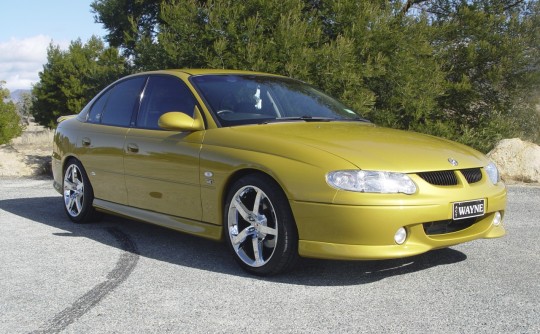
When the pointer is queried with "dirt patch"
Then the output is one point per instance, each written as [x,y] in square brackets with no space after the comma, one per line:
[28,155]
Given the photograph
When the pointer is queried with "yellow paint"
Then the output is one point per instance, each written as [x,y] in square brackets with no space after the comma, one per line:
[164,181]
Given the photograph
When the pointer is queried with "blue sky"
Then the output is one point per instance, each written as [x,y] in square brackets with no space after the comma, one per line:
[28,26]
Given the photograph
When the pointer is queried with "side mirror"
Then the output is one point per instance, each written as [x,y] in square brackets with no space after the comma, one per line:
[178,121]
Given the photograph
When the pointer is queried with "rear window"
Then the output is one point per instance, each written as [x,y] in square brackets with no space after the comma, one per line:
[119,103]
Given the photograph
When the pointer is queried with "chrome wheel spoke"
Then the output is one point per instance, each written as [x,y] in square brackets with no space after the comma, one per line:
[74,174]
[79,185]
[257,251]
[68,185]
[70,203]
[78,202]
[241,237]
[257,202]
[266,230]
[241,208]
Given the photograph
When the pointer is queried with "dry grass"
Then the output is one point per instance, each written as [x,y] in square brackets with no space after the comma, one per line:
[41,139]
[28,155]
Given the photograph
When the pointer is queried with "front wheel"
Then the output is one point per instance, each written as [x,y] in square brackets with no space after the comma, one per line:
[259,227]
[78,193]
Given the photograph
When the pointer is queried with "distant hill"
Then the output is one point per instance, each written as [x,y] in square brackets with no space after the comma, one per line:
[16,95]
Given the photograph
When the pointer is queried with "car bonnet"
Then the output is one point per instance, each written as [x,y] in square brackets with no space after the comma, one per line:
[370,147]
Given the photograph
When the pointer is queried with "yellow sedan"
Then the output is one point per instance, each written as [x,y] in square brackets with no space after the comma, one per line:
[274,167]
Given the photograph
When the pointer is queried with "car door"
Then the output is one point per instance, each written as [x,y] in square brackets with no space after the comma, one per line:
[162,167]
[102,138]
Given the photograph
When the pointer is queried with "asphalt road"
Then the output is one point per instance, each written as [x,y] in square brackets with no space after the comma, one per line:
[121,276]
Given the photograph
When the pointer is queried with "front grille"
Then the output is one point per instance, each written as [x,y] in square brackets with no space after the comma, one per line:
[472,175]
[449,178]
[448,226]
[440,178]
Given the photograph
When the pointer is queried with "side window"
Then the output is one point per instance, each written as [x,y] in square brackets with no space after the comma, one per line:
[94,116]
[123,98]
[164,94]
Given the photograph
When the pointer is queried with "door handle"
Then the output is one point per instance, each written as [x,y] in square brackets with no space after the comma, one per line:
[86,141]
[133,148]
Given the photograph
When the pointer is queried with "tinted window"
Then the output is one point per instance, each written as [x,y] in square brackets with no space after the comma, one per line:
[94,116]
[164,94]
[123,98]
[250,99]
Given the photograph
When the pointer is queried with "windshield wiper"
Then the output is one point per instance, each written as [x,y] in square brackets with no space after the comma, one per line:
[299,118]
[314,119]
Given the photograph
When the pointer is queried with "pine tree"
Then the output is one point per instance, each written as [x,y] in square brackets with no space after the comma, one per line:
[71,78]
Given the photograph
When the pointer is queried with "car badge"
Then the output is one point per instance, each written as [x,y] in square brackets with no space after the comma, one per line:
[453,162]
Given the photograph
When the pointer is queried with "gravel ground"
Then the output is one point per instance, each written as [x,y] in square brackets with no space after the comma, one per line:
[121,276]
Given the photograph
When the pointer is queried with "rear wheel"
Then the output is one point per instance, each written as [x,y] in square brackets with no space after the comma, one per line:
[259,227]
[78,193]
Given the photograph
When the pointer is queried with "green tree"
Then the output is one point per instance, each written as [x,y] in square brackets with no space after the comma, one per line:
[464,69]
[71,78]
[490,53]
[131,24]
[360,52]
[394,55]
[365,53]
[9,119]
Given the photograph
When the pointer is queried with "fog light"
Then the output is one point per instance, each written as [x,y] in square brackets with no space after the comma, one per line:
[497,219]
[400,236]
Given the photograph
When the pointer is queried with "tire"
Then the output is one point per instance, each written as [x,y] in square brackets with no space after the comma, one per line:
[259,227]
[78,193]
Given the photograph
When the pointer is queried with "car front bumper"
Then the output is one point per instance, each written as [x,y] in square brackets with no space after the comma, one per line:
[358,232]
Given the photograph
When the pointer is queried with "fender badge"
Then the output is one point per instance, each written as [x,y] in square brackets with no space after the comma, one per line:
[453,162]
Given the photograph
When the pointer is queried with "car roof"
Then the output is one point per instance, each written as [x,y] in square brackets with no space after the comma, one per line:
[194,72]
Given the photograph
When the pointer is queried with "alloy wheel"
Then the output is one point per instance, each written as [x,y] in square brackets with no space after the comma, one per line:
[73,190]
[252,226]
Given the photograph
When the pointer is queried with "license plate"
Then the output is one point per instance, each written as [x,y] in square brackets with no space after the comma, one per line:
[468,209]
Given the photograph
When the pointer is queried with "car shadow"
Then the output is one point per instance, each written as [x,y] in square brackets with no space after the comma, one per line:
[186,250]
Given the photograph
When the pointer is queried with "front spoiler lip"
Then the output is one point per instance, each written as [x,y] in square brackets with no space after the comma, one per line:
[335,251]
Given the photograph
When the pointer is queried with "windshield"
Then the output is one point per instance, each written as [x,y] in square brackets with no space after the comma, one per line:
[253,99]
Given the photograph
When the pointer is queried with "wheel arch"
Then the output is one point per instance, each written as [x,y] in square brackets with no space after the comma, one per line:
[59,165]
[65,162]
[237,175]
[67,159]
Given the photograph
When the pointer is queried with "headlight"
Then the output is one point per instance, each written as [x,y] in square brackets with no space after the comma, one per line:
[493,173]
[371,181]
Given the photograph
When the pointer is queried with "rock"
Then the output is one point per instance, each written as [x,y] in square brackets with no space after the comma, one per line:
[517,160]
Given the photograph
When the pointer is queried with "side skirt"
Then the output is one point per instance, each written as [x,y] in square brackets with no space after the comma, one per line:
[176,223]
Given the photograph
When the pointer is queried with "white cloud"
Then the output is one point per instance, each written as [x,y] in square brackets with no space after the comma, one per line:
[22,59]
